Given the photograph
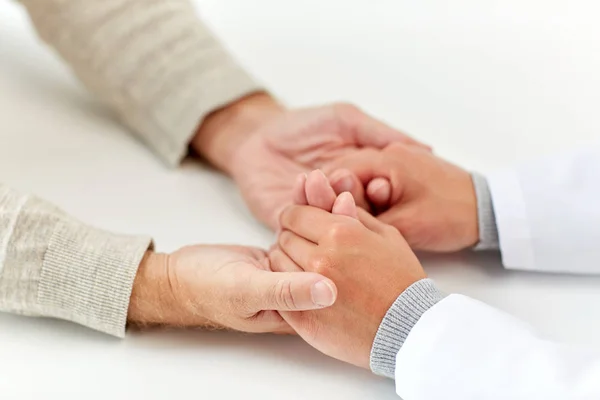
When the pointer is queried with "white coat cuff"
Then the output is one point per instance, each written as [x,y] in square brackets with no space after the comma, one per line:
[512,220]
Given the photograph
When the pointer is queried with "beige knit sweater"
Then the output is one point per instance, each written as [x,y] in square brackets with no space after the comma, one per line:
[158,66]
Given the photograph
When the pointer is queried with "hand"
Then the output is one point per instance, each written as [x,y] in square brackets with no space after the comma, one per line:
[431,202]
[222,287]
[369,262]
[265,154]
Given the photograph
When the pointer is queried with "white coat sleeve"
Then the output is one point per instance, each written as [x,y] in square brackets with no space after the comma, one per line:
[548,213]
[463,349]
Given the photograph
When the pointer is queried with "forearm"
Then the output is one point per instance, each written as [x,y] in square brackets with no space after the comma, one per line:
[155,63]
[52,265]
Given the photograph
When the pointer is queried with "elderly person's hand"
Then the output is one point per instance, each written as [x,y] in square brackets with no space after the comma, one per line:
[369,262]
[431,201]
[264,147]
[222,287]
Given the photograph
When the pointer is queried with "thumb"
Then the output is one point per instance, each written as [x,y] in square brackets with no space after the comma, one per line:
[379,193]
[397,217]
[299,190]
[293,291]
[319,192]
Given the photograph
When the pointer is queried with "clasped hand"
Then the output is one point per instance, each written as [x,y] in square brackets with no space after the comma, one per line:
[264,148]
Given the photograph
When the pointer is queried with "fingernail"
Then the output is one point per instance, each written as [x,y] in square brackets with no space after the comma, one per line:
[378,185]
[322,294]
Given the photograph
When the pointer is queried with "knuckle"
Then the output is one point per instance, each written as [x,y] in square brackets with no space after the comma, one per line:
[283,295]
[405,155]
[336,233]
[395,147]
[346,109]
[341,233]
[370,153]
[321,263]
[275,257]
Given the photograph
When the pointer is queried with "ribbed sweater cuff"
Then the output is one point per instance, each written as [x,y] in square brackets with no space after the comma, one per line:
[488,230]
[172,123]
[87,276]
[395,327]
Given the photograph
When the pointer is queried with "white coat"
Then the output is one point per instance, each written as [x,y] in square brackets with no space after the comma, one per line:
[548,217]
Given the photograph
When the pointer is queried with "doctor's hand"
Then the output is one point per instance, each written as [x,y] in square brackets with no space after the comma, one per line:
[222,287]
[369,262]
[264,147]
[431,201]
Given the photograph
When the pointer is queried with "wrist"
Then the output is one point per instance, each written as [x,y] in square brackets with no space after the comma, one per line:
[464,229]
[225,130]
[152,299]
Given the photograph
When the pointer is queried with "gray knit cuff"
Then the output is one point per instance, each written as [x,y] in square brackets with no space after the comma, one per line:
[488,231]
[395,327]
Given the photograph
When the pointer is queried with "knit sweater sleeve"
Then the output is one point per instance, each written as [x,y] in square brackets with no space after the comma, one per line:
[53,265]
[154,62]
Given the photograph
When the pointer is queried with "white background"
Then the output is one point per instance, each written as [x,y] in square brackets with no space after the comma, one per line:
[487,83]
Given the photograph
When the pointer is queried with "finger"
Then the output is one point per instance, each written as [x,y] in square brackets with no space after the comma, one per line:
[364,164]
[286,330]
[319,192]
[281,262]
[267,321]
[265,263]
[370,222]
[299,190]
[255,252]
[293,291]
[370,132]
[310,223]
[379,193]
[372,165]
[296,248]
[345,205]
[344,180]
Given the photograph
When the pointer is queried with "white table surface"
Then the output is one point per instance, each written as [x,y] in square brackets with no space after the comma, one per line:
[487,83]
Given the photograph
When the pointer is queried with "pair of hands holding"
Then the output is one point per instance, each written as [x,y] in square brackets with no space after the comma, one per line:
[263,148]
[429,205]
